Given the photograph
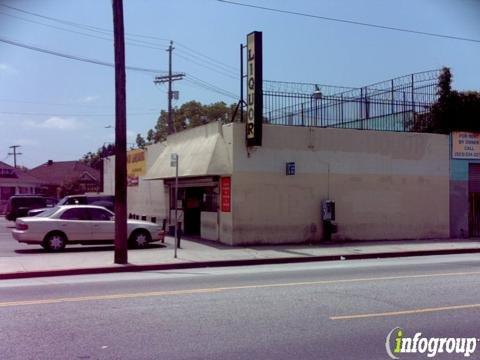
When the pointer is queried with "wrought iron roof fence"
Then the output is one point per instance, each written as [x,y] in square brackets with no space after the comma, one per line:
[393,105]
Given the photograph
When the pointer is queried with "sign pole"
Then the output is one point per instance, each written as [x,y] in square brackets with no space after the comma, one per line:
[174,162]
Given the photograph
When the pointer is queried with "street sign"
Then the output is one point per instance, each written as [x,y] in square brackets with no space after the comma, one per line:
[290,168]
[174,163]
[173,160]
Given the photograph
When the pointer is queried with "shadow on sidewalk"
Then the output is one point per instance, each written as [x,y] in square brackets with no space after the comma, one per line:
[79,249]
[207,243]
[303,248]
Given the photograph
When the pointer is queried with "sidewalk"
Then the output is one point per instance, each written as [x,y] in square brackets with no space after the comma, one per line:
[32,261]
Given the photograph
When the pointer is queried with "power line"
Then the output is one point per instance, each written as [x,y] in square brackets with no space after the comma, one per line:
[75,105]
[129,36]
[137,43]
[6,157]
[55,104]
[208,67]
[216,66]
[144,44]
[209,86]
[203,84]
[232,68]
[193,79]
[62,114]
[51,26]
[148,45]
[352,22]
[75,57]
[71,23]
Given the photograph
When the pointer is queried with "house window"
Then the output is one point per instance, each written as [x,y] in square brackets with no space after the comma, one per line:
[90,187]
[6,192]
[210,199]
[7,173]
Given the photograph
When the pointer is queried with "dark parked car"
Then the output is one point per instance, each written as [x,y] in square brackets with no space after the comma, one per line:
[107,201]
[19,205]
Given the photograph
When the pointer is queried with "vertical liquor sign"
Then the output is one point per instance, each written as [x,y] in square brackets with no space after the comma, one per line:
[254,89]
[226,193]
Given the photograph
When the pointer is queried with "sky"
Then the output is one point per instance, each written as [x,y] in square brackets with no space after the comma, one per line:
[59,108]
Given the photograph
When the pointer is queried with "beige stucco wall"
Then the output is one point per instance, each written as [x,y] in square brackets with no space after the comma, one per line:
[226,219]
[148,198]
[386,185]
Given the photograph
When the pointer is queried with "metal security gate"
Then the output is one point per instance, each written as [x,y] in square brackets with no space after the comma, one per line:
[474,200]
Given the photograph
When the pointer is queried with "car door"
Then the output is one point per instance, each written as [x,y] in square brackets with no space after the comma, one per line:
[103,225]
[75,223]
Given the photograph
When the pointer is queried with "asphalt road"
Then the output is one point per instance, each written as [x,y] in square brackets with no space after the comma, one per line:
[335,310]
[8,244]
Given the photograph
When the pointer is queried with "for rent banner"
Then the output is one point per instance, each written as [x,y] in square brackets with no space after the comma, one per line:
[465,145]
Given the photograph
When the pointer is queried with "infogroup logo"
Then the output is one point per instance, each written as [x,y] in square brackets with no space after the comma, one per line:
[397,343]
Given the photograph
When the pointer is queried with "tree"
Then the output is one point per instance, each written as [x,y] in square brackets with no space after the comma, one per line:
[141,143]
[160,131]
[443,110]
[218,112]
[453,110]
[150,136]
[70,187]
[94,160]
[188,115]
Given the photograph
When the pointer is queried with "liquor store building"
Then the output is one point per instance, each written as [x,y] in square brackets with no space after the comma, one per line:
[385,185]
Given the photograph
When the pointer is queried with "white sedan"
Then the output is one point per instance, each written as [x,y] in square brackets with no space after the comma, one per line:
[81,224]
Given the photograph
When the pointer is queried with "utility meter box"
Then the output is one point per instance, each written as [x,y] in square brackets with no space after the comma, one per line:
[328,210]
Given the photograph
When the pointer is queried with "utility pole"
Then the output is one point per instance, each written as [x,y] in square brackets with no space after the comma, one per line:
[169,78]
[14,153]
[170,120]
[121,252]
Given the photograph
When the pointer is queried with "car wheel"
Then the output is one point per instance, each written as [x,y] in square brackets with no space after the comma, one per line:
[140,239]
[54,242]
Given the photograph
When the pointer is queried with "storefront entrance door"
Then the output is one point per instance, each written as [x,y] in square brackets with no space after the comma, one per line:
[474,200]
[192,208]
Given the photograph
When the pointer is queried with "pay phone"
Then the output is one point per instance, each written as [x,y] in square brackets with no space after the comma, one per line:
[328,210]
[328,216]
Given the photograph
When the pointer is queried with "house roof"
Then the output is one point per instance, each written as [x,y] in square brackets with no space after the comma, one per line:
[11,175]
[59,172]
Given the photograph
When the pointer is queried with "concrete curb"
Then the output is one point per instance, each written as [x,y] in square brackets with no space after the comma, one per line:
[228,263]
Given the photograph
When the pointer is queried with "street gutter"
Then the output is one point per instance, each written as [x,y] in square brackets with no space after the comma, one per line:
[230,263]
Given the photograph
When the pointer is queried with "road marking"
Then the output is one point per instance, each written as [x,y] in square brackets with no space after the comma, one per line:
[219,289]
[105,297]
[405,312]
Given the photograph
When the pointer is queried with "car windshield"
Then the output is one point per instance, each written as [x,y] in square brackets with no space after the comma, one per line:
[48,212]
[63,201]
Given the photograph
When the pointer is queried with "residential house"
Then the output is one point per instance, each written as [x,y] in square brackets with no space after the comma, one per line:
[67,177]
[16,182]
